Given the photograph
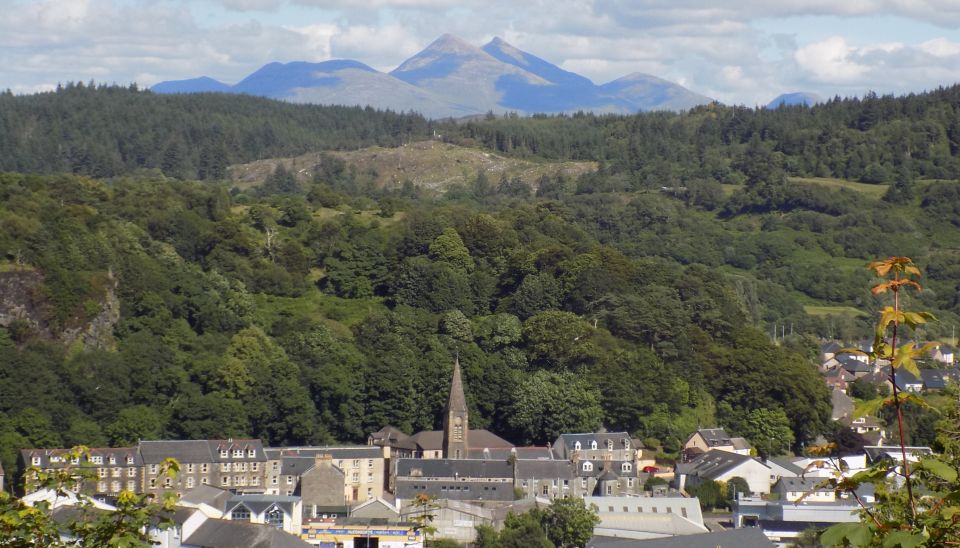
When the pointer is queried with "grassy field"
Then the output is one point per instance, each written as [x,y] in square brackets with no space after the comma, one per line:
[877,191]
[815,310]
[431,165]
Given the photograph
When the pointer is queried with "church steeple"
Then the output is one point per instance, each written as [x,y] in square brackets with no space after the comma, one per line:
[456,426]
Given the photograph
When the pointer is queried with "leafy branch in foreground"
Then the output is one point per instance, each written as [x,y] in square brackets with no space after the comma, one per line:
[129,525]
[918,507]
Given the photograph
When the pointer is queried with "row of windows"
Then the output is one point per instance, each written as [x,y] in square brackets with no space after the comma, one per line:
[237,453]
[116,472]
[115,486]
[593,445]
[356,463]
[624,467]
[94,459]
[238,466]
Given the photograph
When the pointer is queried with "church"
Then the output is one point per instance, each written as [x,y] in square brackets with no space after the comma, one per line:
[455,441]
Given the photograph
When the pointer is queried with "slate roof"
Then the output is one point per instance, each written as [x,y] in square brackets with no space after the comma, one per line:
[538,469]
[432,440]
[569,441]
[206,494]
[830,347]
[392,436]
[713,464]
[519,453]
[933,379]
[787,464]
[842,405]
[259,503]
[346,452]
[750,537]
[199,451]
[879,452]
[120,453]
[222,533]
[296,466]
[449,468]
[800,484]
[905,378]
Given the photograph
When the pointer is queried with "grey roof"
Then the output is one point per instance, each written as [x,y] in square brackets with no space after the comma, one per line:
[345,452]
[534,469]
[904,378]
[199,451]
[800,484]
[751,537]
[120,453]
[296,466]
[569,441]
[519,453]
[222,533]
[713,464]
[933,379]
[259,503]
[842,404]
[787,464]
[449,468]
[432,440]
[601,466]
[715,436]
[830,347]
[878,452]
[206,494]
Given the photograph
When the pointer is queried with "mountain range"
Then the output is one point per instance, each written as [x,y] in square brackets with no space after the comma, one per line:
[452,78]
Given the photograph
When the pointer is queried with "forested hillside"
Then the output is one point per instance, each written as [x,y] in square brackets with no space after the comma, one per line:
[307,311]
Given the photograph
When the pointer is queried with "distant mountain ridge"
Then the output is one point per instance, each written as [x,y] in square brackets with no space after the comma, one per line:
[796,98]
[453,78]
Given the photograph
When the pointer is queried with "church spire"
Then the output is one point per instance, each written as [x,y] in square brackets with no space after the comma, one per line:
[455,418]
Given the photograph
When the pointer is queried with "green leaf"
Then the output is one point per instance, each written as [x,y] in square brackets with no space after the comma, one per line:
[857,534]
[903,539]
[940,469]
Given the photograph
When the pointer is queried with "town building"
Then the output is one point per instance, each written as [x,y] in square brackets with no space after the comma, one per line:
[707,439]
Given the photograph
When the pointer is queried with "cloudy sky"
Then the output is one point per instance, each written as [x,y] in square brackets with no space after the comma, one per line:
[745,54]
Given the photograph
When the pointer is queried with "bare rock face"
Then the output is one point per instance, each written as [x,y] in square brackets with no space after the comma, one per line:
[23,302]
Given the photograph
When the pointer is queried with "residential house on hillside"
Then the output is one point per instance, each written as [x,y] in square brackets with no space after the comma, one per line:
[838,378]
[719,465]
[867,425]
[933,380]
[944,354]
[361,469]
[115,468]
[842,405]
[279,511]
[707,439]
[808,489]
[236,464]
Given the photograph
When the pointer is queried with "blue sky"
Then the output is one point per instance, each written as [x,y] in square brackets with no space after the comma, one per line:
[745,54]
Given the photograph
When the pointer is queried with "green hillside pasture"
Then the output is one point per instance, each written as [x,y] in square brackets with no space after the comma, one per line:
[876,191]
[817,310]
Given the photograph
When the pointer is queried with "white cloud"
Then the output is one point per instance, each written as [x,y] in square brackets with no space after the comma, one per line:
[830,61]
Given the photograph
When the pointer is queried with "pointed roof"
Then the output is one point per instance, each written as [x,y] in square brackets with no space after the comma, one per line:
[457,402]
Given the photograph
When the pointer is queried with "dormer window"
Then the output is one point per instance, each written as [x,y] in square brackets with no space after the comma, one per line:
[593,445]
[35,461]
[626,443]
[96,459]
[576,446]
[224,453]
[251,453]
[609,445]
[626,467]
[237,453]
[74,460]
[113,459]
[588,466]
[129,459]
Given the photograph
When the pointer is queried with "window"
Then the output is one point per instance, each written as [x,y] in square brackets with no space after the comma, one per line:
[583,483]
[369,463]
[153,468]
[115,472]
[130,459]
[102,472]
[204,468]
[131,485]
[576,446]
[238,453]
[153,483]
[626,443]
[593,444]
[131,472]
[356,463]
[240,480]
[289,480]
[115,486]
[240,467]
[654,509]
[275,480]
[587,466]
[629,482]
[369,476]
[101,486]
[167,483]
[225,480]
[190,468]
[609,489]
[275,465]
[609,445]
[254,466]
[190,483]
[224,453]
[224,466]
[275,517]
[669,510]
[625,509]
[566,484]
[546,489]
[251,453]
[369,492]
[255,480]
[626,467]
[74,460]
[240,513]
[96,459]
[204,481]
[683,512]
[355,478]
[35,461]
[113,459]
